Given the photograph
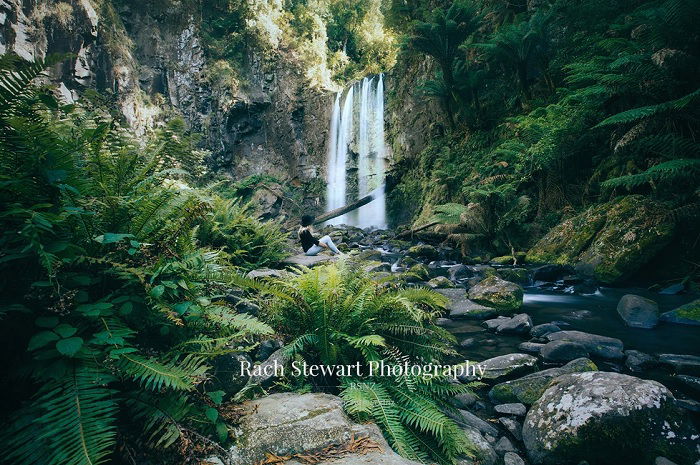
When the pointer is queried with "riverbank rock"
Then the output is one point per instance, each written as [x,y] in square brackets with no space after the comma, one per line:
[228,376]
[457,272]
[309,260]
[688,314]
[440,282]
[500,367]
[482,447]
[289,423]
[518,324]
[515,408]
[608,241]
[637,361]
[494,292]
[424,251]
[273,368]
[516,275]
[562,351]
[551,273]
[681,363]
[604,418]
[542,330]
[638,312]
[529,388]
[461,307]
[603,347]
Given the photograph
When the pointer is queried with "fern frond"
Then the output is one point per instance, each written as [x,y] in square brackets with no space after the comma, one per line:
[71,422]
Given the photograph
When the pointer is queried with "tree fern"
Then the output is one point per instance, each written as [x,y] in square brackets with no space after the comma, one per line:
[673,171]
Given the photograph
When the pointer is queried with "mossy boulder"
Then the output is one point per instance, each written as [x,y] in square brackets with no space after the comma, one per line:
[369,255]
[609,241]
[529,388]
[424,251]
[440,282]
[606,418]
[516,275]
[564,243]
[688,314]
[418,272]
[504,260]
[504,296]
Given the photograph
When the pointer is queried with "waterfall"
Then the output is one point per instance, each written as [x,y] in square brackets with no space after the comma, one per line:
[356,153]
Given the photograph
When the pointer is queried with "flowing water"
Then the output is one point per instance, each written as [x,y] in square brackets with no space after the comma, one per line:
[593,313]
[357,153]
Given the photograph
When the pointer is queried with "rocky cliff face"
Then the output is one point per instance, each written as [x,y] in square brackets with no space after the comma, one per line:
[150,57]
[412,120]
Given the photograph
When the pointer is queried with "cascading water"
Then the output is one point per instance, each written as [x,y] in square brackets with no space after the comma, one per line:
[356,153]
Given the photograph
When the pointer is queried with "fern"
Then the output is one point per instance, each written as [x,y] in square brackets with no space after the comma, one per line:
[682,169]
[71,422]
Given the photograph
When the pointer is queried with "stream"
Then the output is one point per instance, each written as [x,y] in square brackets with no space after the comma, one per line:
[594,313]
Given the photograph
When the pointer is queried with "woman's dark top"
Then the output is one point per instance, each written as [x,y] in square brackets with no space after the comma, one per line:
[307,240]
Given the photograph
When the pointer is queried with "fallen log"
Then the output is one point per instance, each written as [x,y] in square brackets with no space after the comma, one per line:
[376,193]
[411,232]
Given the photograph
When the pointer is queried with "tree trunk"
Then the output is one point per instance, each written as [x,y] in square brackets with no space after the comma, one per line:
[350,207]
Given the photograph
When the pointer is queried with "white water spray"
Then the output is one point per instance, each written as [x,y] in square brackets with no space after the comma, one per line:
[358,131]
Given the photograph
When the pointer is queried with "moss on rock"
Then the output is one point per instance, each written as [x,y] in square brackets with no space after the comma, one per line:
[688,314]
[608,241]
[497,293]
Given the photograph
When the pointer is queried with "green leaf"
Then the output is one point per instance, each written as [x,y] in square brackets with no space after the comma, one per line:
[115,353]
[211,413]
[157,291]
[126,308]
[46,321]
[216,396]
[65,330]
[69,346]
[111,238]
[94,309]
[41,339]
[222,431]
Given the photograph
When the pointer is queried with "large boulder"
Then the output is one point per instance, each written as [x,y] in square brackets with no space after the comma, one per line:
[562,351]
[606,418]
[681,363]
[608,241]
[564,243]
[603,347]
[501,367]
[440,282]
[290,423]
[497,293]
[516,275]
[461,307]
[688,314]
[638,312]
[424,251]
[529,388]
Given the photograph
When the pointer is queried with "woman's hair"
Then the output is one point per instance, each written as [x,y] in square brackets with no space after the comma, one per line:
[306,222]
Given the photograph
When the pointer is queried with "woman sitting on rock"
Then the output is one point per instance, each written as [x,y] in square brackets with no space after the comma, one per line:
[309,243]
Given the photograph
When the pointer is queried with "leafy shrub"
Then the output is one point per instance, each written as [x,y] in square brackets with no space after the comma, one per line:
[249,243]
[337,314]
[111,307]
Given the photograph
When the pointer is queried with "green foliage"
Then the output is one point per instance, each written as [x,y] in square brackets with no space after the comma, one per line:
[111,305]
[563,104]
[337,314]
[233,227]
